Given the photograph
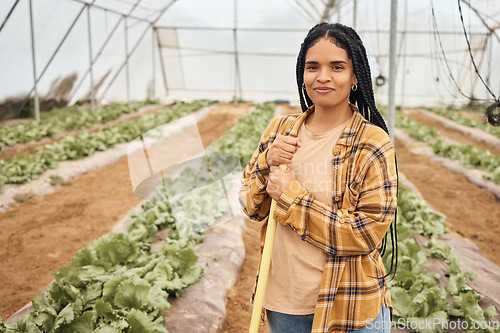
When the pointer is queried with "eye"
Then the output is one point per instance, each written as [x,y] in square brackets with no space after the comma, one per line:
[311,67]
[337,67]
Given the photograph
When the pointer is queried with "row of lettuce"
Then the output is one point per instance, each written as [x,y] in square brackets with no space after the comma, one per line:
[118,283]
[417,296]
[71,118]
[26,167]
[468,121]
[468,155]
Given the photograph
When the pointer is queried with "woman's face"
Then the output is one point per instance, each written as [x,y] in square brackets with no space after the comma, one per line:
[328,74]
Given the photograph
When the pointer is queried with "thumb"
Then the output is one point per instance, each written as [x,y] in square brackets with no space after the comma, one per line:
[299,143]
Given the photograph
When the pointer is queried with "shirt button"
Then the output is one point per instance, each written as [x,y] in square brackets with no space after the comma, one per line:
[336,167]
[337,198]
[336,151]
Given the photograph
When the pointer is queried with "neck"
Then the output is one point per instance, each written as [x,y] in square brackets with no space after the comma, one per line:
[325,119]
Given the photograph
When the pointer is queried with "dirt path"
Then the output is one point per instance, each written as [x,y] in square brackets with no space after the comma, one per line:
[43,233]
[471,212]
[239,306]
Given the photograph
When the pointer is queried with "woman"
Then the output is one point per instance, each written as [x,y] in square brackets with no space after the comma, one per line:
[337,199]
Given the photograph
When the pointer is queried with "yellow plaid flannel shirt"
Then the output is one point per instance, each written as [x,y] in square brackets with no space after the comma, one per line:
[364,203]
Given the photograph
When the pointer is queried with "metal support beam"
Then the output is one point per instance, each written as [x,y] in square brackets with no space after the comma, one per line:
[326,12]
[354,13]
[125,62]
[89,34]
[403,72]
[33,58]
[110,10]
[162,62]
[158,44]
[490,29]
[153,62]
[305,10]
[37,79]
[108,38]
[8,15]
[122,17]
[127,71]
[391,107]
[403,52]
[237,78]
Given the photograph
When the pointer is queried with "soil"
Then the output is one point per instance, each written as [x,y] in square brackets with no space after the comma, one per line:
[43,233]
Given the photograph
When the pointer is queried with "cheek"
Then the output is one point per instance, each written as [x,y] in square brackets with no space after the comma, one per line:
[308,81]
[345,81]
[308,77]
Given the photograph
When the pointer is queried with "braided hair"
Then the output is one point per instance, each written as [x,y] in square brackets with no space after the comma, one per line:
[347,39]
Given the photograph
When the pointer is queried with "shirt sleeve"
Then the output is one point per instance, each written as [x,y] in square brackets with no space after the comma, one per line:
[253,195]
[361,223]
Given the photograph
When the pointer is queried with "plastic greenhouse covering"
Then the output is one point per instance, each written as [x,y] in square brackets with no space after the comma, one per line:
[117,50]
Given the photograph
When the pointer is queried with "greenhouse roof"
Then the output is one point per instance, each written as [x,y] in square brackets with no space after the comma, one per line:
[111,50]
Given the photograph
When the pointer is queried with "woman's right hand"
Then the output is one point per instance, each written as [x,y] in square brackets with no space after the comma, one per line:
[282,150]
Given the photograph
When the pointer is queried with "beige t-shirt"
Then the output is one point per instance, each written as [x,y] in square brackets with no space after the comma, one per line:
[296,266]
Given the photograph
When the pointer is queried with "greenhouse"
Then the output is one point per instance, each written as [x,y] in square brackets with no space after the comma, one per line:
[139,149]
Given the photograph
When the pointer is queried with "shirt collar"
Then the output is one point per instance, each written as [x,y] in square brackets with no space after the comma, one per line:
[347,136]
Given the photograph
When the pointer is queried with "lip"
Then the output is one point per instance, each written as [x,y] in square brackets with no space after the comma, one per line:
[323,90]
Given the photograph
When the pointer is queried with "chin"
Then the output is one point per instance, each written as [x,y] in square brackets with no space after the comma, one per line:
[328,104]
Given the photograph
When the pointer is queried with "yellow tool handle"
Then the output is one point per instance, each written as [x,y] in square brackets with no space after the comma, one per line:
[264,267]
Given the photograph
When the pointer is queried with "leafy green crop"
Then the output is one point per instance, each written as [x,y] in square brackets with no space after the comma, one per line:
[466,121]
[243,139]
[493,175]
[113,285]
[65,119]
[416,294]
[468,155]
[26,167]
[157,213]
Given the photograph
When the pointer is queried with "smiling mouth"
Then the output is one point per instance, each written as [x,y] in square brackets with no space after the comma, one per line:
[323,90]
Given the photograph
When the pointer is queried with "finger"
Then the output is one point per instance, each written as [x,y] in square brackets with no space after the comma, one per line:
[287,139]
[289,148]
[290,140]
[286,156]
[281,160]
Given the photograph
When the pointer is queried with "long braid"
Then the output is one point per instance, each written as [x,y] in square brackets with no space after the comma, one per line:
[347,38]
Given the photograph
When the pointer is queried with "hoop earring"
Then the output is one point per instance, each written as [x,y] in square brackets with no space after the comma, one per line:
[354,87]
[303,86]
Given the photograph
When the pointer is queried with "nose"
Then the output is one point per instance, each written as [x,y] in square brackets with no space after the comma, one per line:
[324,76]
